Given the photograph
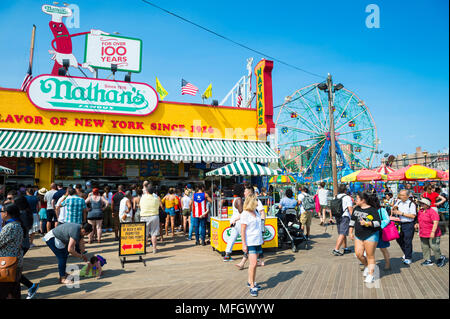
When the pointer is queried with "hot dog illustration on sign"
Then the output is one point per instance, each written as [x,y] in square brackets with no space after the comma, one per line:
[62,42]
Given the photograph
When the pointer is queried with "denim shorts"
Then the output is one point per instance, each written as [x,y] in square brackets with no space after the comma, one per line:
[255,250]
[170,211]
[374,237]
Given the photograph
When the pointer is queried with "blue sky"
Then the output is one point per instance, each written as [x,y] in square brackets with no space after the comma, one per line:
[400,70]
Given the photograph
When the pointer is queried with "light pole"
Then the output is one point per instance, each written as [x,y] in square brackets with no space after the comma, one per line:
[425,153]
[404,159]
[330,89]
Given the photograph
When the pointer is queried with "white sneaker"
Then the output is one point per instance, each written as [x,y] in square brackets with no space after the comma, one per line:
[366,272]
[369,279]
[407,261]
[403,257]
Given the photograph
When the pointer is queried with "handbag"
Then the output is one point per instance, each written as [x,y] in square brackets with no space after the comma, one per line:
[8,269]
[390,232]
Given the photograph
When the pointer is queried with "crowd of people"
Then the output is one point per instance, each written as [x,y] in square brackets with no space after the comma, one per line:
[363,216]
[64,216]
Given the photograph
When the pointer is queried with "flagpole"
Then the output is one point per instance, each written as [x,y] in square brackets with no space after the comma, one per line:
[33,34]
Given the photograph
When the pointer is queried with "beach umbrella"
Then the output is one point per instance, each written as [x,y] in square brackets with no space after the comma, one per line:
[383,169]
[363,175]
[415,172]
[282,179]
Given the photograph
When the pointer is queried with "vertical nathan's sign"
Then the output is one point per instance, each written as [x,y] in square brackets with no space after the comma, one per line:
[103,50]
[264,98]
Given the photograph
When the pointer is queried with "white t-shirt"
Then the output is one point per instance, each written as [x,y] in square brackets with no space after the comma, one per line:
[122,209]
[185,202]
[346,203]
[62,209]
[236,216]
[260,207]
[406,208]
[253,234]
[48,198]
[301,197]
[323,194]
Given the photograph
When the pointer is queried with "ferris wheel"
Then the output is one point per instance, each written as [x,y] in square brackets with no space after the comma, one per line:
[303,133]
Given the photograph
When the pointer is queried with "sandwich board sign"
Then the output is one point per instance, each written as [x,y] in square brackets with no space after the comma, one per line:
[132,241]
[101,51]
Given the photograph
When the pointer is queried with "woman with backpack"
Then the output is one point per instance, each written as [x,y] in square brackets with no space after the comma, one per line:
[307,204]
[342,209]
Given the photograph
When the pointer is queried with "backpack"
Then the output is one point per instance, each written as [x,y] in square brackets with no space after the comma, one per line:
[308,202]
[336,206]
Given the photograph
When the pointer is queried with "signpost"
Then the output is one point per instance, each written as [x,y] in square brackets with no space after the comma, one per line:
[132,242]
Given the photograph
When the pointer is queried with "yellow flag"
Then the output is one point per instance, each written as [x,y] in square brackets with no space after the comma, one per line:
[208,92]
[162,92]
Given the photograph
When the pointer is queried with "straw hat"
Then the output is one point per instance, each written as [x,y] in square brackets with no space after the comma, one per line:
[425,201]
[42,191]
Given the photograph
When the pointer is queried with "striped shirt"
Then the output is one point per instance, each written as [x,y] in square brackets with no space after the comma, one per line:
[74,209]
[198,205]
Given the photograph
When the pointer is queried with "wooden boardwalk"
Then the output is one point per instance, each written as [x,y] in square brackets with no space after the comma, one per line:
[181,268]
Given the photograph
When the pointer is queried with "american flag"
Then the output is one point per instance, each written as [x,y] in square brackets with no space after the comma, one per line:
[239,97]
[188,88]
[26,82]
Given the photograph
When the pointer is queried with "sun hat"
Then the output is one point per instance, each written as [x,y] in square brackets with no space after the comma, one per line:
[425,201]
[42,191]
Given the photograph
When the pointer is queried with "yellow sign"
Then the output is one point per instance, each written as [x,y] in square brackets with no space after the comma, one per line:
[132,239]
[169,119]
[221,232]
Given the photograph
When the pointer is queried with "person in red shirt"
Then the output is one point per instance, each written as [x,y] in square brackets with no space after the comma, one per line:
[433,196]
[430,233]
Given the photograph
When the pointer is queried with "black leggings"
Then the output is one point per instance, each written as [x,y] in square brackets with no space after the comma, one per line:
[24,280]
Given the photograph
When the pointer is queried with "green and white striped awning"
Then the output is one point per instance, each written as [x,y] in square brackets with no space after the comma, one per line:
[49,144]
[185,149]
[243,168]
[6,170]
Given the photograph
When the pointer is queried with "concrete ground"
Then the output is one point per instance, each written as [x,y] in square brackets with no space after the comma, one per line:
[181,270]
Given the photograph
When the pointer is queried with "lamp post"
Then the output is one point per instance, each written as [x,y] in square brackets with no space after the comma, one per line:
[404,159]
[425,154]
[330,89]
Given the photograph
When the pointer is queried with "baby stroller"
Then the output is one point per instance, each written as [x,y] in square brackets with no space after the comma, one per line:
[289,229]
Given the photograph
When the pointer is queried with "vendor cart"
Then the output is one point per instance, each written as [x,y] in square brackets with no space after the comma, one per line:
[222,207]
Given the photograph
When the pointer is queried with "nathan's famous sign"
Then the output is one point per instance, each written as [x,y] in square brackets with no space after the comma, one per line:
[75,94]
[264,99]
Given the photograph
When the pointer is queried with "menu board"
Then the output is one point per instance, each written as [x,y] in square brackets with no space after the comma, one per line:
[9,163]
[115,167]
[92,168]
[66,167]
[149,168]
[25,166]
[132,169]
[169,169]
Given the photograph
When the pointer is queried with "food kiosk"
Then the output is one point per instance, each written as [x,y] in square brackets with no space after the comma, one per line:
[222,210]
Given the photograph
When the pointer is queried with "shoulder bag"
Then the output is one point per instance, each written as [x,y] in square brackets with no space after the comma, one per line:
[8,269]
